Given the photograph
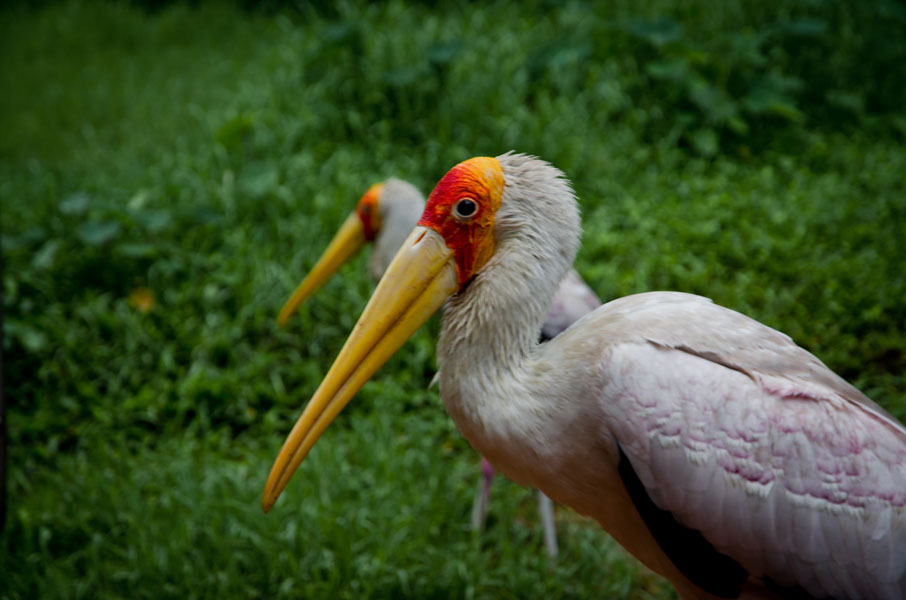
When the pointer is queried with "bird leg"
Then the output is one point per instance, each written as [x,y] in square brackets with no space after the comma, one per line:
[482,496]
[546,510]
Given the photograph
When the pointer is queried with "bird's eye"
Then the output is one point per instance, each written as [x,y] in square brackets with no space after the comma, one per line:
[464,208]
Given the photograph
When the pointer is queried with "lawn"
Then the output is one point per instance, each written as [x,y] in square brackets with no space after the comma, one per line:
[169,171]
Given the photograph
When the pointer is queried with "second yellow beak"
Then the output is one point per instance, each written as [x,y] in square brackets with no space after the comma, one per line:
[418,281]
[348,240]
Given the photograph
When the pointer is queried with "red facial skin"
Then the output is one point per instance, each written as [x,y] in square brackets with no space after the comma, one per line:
[472,238]
[367,211]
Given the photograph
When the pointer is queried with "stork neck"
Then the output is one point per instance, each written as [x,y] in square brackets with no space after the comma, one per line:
[493,325]
[486,351]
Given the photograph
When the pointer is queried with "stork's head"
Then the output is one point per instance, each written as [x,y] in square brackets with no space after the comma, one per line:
[482,207]
[461,210]
[384,215]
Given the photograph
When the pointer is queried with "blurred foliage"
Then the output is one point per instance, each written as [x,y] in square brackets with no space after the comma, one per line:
[169,171]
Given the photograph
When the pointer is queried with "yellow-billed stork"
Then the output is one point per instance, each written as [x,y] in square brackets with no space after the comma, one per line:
[384,216]
[713,448]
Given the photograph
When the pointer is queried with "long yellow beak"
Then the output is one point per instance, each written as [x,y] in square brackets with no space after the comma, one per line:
[418,281]
[347,241]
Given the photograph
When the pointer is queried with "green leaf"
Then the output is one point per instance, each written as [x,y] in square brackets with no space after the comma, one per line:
[658,33]
[714,103]
[75,204]
[401,77]
[137,250]
[154,220]
[33,340]
[675,69]
[805,27]
[443,53]
[44,257]
[343,33]
[96,233]
[705,141]
[853,102]
[30,236]
[232,133]
[258,179]
[774,94]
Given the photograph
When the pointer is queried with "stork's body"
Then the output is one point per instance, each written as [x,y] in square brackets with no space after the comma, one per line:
[789,474]
[385,216]
[713,448]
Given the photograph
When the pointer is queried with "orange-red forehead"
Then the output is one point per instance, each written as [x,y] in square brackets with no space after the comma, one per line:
[480,178]
[471,239]
[367,210]
[371,196]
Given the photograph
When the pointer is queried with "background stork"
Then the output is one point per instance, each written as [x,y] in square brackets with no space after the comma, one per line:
[384,216]
[713,448]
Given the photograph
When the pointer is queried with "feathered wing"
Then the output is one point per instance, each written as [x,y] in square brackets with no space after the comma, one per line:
[739,434]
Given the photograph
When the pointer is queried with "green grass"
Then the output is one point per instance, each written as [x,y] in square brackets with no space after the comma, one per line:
[206,154]
[183,520]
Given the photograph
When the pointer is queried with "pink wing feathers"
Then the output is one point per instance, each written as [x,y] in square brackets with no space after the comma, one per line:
[752,441]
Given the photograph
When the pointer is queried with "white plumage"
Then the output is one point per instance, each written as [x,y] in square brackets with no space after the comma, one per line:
[714,449]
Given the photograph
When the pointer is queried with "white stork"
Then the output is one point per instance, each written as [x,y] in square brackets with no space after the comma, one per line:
[714,449]
[385,215]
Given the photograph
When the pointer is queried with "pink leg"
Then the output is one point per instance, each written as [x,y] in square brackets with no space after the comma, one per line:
[487,469]
[483,496]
